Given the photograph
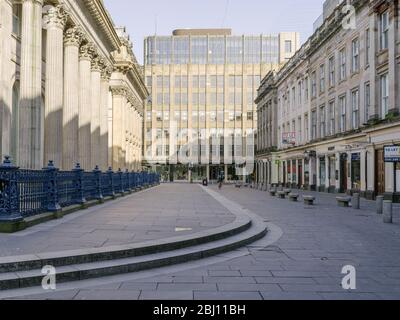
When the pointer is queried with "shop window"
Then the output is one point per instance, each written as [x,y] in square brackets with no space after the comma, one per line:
[332,171]
[322,172]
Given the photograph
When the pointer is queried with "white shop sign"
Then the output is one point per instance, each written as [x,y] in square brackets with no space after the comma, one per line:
[392,154]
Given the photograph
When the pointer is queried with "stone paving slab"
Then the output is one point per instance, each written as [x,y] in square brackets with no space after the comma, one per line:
[158,213]
[305,263]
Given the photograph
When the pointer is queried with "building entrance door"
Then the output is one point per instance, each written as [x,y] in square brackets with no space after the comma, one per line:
[216,172]
[300,174]
[380,172]
[284,173]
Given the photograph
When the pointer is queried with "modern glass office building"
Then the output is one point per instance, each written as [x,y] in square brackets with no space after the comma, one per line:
[203,84]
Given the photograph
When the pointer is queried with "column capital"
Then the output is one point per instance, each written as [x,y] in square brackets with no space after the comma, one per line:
[106,72]
[54,17]
[119,91]
[73,37]
[97,64]
[87,51]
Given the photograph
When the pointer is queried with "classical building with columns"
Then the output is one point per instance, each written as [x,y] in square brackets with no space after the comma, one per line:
[329,113]
[71,89]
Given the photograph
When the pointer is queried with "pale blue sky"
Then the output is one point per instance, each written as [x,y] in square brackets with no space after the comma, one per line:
[243,16]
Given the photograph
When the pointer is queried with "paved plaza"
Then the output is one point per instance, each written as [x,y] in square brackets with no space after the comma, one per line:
[163,212]
[304,262]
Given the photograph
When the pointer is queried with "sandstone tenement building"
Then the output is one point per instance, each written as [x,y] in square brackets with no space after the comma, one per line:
[326,117]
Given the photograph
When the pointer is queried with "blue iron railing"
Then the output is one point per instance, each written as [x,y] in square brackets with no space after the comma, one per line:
[25,193]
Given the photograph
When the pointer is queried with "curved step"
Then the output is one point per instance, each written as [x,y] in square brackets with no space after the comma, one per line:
[70,257]
[84,271]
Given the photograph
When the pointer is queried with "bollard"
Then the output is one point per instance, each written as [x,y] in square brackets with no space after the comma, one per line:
[387,211]
[355,202]
[379,204]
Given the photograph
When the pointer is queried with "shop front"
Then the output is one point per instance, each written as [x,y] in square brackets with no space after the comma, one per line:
[322,174]
[300,174]
[392,165]
[355,172]
[294,183]
[307,174]
[344,171]
[333,176]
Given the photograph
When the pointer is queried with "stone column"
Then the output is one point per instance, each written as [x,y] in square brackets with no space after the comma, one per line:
[95,79]
[318,173]
[72,41]
[349,173]
[128,138]
[104,146]
[141,137]
[138,140]
[257,172]
[313,173]
[274,171]
[134,134]
[339,177]
[6,69]
[85,58]
[124,127]
[327,168]
[371,192]
[30,153]
[119,102]
[54,22]
[363,169]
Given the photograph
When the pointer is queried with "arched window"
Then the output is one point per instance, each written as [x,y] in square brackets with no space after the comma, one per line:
[15,122]
[17,19]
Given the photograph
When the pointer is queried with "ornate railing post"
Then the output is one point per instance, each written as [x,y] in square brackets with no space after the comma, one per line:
[110,173]
[99,188]
[139,180]
[9,194]
[134,181]
[51,188]
[121,180]
[128,180]
[80,195]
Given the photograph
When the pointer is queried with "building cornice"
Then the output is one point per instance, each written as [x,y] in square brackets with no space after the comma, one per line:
[329,28]
[101,17]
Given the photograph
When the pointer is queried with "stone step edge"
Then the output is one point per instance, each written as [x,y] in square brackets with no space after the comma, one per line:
[71,257]
[25,279]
